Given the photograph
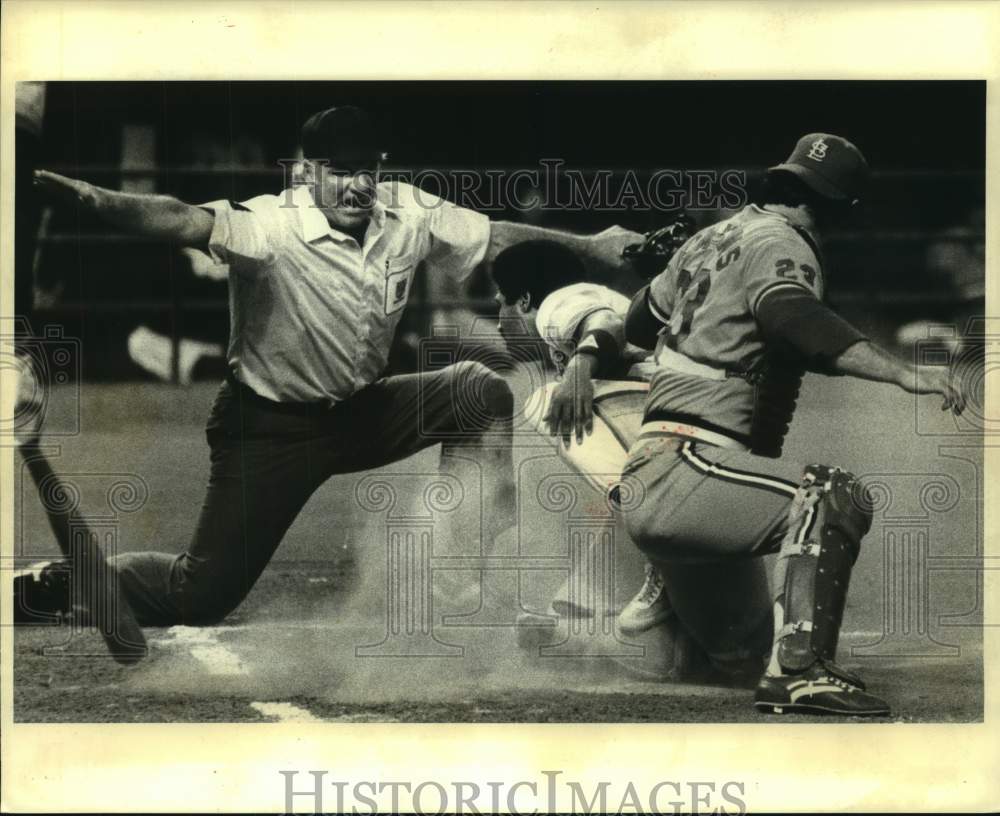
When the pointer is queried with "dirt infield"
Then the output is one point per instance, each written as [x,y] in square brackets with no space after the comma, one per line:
[229,674]
[289,653]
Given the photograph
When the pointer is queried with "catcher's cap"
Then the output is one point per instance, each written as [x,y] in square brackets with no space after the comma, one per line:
[344,135]
[829,165]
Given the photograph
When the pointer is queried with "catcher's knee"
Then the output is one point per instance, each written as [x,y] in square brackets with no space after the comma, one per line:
[844,503]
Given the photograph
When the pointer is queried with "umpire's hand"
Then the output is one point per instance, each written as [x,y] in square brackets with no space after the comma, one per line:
[63,188]
[606,247]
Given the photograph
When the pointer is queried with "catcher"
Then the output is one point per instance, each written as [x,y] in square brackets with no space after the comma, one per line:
[593,413]
[736,319]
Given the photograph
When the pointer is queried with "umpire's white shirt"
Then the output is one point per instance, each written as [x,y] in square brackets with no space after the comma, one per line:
[313,314]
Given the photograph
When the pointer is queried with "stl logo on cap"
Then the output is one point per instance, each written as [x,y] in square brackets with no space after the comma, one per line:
[830,165]
[817,150]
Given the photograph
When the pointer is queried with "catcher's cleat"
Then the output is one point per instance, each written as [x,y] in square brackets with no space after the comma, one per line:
[823,688]
[42,593]
[648,608]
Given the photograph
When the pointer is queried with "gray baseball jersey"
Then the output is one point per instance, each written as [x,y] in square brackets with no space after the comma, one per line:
[713,367]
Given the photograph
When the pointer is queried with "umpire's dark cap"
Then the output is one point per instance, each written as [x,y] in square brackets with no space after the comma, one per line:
[829,165]
[343,135]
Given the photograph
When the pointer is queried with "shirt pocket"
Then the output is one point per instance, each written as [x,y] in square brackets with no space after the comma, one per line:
[398,280]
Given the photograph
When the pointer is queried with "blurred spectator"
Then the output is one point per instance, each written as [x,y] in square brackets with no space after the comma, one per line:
[957,258]
[154,352]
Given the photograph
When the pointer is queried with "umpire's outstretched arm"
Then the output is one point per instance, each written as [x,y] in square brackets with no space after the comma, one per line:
[155,216]
[601,252]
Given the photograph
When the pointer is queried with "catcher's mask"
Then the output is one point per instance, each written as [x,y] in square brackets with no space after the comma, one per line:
[651,257]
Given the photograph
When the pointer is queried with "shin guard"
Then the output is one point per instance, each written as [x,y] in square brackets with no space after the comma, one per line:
[827,520]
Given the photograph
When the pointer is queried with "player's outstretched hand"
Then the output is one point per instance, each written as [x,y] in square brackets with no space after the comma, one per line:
[939,380]
[571,409]
[64,188]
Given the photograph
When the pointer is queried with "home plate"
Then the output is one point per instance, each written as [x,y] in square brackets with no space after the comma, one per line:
[202,643]
[284,712]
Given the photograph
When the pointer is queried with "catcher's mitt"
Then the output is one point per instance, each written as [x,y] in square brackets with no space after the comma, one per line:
[650,257]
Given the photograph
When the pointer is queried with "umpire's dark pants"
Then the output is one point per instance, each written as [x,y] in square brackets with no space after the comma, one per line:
[268,458]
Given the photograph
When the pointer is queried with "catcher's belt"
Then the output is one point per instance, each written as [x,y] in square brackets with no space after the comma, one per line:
[658,428]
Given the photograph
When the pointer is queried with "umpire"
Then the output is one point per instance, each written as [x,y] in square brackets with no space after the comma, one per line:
[319,277]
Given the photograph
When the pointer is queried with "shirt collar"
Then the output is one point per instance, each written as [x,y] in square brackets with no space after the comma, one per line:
[314,223]
[807,235]
[795,224]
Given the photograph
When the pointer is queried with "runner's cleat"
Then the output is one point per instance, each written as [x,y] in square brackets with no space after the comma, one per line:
[648,608]
[534,629]
[823,688]
[566,605]
[42,592]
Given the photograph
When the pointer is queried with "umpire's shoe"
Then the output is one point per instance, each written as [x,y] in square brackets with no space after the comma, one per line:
[648,608]
[823,688]
[42,592]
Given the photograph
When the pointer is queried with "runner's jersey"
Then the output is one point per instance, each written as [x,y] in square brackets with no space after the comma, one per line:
[562,313]
[712,365]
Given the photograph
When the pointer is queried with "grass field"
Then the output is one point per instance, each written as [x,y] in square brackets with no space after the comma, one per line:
[913,624]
